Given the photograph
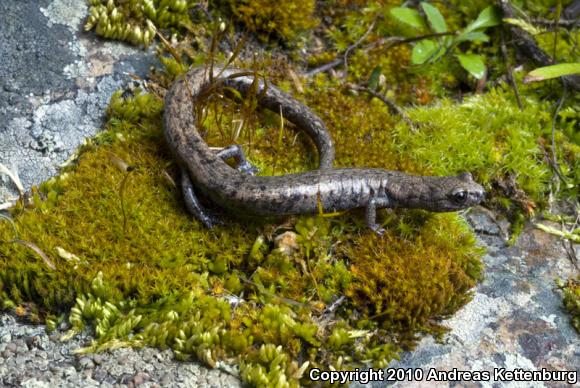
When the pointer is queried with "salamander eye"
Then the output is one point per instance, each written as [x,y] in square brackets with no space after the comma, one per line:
[459,196]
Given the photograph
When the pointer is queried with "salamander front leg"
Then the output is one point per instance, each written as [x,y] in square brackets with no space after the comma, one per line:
[236,152]
[371,213]
[192,203]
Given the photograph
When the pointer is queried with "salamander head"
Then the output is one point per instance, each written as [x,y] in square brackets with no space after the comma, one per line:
[451,193]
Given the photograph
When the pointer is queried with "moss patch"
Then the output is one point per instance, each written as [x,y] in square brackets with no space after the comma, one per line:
[283,19]
[571,290]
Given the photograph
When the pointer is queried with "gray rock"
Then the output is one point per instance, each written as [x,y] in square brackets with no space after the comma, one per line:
[98,359]
[10,349]
[86,363]
[55,83]
[140,378]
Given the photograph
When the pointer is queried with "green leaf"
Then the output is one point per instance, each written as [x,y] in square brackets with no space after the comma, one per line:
[423,51]
[374,78]
[473,63]
[408,16]
[554,71]
[435,18]
[489,17]
[472,36]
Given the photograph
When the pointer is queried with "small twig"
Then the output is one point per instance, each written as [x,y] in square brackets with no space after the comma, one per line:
[122,197]
[560,233]
[38,251]
[510,73]
[390,103]
[323,68]
[556,25]
[330,309]
[564,23]
[121,165]
[355,45]
[569,244]
[392,42]
[168,46]
[550,162]
[558,107]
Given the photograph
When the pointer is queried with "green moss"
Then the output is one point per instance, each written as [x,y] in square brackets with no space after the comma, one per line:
[414,287]
[571,291]
[284,19]
[488,135]
[136,21]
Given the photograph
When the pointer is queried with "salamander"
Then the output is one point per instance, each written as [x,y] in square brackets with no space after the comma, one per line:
[205,171]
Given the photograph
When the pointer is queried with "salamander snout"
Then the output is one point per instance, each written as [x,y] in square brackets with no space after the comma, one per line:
[467,192]
[478,195]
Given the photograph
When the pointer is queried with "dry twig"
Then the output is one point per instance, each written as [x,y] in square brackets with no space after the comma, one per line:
[390,103]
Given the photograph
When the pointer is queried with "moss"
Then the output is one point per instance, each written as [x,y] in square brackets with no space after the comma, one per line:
[284,19]
[490,136]
[403,291]
[136,21]
[571,291]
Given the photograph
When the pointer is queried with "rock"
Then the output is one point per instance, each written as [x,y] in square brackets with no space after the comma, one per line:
[55,83]
[98,359]
[10,349]
[86,363]
[125,378]
[140,378]
[165,379]
[64,326]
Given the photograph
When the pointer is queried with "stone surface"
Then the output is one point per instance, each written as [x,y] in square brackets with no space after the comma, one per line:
[55,83]
[32,367]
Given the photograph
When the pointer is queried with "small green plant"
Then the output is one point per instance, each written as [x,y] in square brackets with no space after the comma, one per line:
[441,42]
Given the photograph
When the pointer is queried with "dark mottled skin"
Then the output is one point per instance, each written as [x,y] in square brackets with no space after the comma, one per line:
[333,189]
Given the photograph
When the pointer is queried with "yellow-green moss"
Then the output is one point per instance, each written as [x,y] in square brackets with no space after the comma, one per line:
[135,21]
[282,18]
[571,290]
[391,288]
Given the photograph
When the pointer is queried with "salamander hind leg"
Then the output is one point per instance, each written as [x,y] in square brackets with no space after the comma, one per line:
[371,213]
[236,152]
[193,205]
